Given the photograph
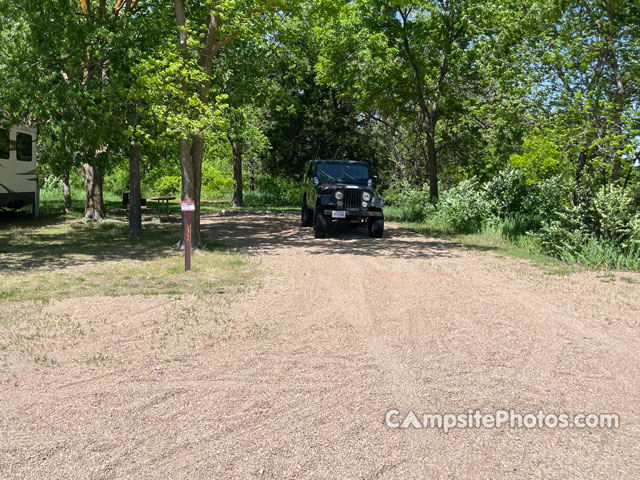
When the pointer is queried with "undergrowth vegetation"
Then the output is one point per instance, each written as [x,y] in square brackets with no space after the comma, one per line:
[599,227]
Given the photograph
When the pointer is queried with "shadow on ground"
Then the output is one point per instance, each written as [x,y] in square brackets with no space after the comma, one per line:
[271,234]
[60,243]
[53,244]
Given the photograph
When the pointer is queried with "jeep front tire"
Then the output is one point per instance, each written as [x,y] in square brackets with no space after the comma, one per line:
[376,227]
[306,216]
[320,223]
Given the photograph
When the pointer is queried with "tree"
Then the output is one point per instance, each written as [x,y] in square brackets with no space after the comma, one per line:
[585,68]
[413,62]
[102,20]
[241,75]
[59,71]
[305,118]
[204,30]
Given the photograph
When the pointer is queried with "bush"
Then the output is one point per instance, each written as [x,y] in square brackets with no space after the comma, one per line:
[507,193]
[563,237]
[615,210]
[214,182]
[274,191]
[117,181]
[168,185]
[464,207]
[634,236]
[543,203]
[519,225]
[550,199]
[50,183]
[409,203]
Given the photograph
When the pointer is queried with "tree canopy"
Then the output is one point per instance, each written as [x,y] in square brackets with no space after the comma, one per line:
[429,91]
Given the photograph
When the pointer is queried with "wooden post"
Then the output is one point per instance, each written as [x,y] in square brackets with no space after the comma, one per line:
[187,240]
[188,208]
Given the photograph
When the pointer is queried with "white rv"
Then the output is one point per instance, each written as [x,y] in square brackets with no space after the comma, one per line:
[18,181]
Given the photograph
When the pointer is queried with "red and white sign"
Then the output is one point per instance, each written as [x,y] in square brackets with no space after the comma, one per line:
[188,206]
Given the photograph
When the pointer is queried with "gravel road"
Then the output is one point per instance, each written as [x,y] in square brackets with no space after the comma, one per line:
[293,377]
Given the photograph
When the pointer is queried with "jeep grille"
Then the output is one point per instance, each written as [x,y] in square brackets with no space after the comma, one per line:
[352,199]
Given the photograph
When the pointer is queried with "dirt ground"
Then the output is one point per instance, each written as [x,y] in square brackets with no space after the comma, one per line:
[292,377]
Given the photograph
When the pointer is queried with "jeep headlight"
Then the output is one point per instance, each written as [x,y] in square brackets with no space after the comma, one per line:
[377,202]
[339,195]
[366,196]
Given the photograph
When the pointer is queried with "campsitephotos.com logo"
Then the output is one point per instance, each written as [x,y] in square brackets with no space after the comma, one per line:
[500,419]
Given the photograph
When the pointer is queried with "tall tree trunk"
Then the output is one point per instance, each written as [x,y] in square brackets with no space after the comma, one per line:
[189,190]
[197,154]
[66,192]
[252,173]
[190,149]
[429,116]
[94,203]
[582,162]
[236,148]
[432,166]
[616,165]
[135,196]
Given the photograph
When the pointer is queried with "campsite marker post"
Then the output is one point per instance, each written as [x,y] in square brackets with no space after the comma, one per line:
[188,207]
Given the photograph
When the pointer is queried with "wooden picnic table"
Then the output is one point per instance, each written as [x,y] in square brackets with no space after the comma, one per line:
[166,200]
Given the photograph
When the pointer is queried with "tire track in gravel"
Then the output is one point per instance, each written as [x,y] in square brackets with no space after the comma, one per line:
[347,328]
[451,329]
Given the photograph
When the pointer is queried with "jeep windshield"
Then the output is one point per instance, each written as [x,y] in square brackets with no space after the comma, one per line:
[342,172]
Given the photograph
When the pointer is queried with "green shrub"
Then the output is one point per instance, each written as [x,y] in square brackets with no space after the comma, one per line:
[543,203]
[117,180]
[519,225]
[548,200]
[276,192]
[507,193]
[168,185]
[464,207]
[50,183]
[564,236]
[215,183]
[409,203]
[615,210]
[634,236]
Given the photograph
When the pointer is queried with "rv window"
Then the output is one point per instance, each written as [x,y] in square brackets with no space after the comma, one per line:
[24,148]
[4,143]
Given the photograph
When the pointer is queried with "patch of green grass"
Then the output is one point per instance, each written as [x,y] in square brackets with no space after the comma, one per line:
[97,359]
[45,361]
[510,237]
[493,241]
[404,214]
[607,277]
[74,258]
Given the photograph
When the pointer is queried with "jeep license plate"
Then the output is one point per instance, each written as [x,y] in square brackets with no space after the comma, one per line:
[338,214]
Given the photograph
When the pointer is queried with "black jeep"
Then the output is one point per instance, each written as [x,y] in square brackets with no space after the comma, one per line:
[340,191]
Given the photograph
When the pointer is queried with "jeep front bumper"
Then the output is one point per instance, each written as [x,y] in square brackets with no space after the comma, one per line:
[356,213]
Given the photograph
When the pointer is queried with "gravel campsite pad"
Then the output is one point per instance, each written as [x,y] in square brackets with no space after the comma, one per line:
[292,375]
